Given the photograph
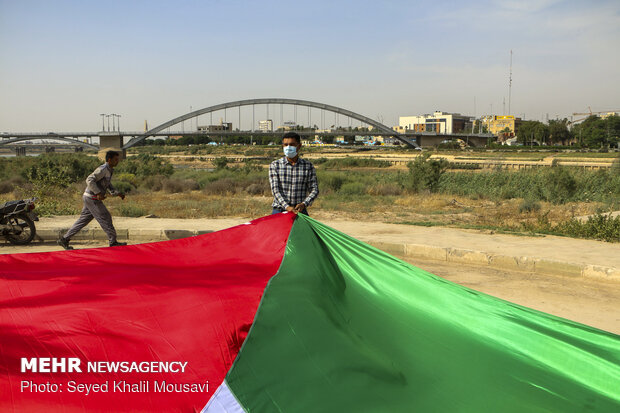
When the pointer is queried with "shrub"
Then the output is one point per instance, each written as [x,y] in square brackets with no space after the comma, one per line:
[6,187]
[125,182]
[10,184]
[179,185]
[529,205]
[353,188]
[145,165]
[561,185]
[153,183]
[127,177]
[250,167]
[464,166]
[598,226]
[130,210]
[351,162]
[47,206]
[332,181]
[220,162]
[57,169]
[615,167]
[123,186]
[51,200]
[221,187]
[258,189]
[425,172]
[385,189]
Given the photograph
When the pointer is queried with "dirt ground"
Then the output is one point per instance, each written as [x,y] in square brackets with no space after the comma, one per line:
[592,302]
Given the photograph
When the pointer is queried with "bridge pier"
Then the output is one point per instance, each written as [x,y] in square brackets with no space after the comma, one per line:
[428,141]
[111,142]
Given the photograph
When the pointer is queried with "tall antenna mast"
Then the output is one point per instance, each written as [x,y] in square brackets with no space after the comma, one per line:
[510,82]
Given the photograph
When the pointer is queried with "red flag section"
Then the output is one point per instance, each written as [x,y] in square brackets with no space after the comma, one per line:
[149,325]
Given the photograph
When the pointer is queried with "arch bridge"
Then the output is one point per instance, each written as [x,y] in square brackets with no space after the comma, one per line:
[386,131]
[72,141]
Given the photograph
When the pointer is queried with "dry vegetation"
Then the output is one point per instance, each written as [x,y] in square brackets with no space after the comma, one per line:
[428,193]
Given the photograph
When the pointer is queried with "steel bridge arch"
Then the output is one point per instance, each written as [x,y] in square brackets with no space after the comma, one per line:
[263,101]
[56,138]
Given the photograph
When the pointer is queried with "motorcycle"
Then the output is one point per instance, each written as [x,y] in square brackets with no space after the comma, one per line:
[17,221]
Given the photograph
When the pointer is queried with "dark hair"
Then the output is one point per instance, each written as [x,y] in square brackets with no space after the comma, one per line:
[111,155]
[292,135]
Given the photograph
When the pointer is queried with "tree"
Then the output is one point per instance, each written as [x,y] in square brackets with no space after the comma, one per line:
[598,133]
[558,131]
[532,130]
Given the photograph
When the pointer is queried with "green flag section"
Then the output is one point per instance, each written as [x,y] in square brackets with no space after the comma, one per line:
[344,327]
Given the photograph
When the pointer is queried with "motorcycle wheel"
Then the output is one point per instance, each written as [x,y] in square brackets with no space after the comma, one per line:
[27,233]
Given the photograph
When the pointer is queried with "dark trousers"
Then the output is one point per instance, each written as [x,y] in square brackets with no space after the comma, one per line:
[278,210]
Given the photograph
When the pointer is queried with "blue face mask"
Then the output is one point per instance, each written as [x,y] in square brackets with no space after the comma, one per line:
[290,151]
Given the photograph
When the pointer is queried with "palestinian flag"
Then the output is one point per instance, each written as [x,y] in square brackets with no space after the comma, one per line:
[282,314]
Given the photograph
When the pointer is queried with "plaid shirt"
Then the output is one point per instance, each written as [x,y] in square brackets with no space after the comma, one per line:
[292,184]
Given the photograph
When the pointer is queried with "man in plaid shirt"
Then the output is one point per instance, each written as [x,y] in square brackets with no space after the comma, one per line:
[292,179]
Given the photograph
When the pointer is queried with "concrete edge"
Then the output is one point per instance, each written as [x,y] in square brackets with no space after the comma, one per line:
[503,262]
[427,252]
[97,234]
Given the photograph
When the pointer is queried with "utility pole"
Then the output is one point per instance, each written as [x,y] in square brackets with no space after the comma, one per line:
[510,83]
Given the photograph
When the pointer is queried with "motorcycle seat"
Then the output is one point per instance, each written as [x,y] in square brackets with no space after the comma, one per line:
[10,206]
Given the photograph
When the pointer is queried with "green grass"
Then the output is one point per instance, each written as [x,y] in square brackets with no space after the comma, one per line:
[421,223]
[351,162]
[557,185]
[599,227]
[497,229]
[131,210]
[610,155]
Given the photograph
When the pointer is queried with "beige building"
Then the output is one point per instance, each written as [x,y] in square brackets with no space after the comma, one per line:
[223,126]
[438,122]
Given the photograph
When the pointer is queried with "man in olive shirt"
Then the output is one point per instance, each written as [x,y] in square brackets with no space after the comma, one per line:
[97,185]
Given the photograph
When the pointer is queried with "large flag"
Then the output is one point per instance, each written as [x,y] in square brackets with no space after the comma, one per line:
[281,315]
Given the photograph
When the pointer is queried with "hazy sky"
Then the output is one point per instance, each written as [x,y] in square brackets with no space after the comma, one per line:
[62,63]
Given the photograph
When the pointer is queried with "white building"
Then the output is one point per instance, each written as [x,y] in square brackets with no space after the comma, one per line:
[265,125]
[438,122]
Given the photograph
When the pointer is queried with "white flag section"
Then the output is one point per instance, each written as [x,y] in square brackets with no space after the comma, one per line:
[223,401]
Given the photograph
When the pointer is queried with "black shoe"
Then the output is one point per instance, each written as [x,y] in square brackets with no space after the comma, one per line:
[62,241]
[117,244]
